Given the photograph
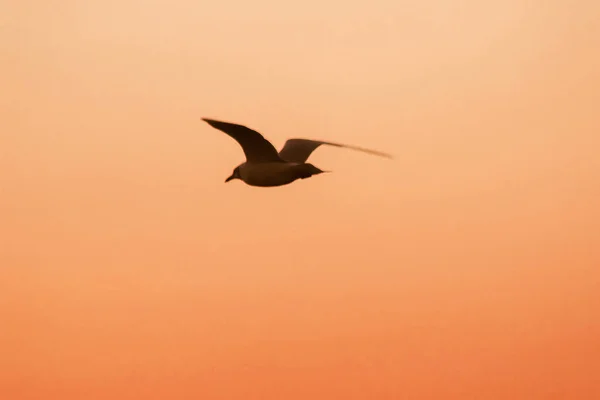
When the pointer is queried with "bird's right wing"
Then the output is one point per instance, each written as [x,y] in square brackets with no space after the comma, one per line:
[298,150]
[255,146]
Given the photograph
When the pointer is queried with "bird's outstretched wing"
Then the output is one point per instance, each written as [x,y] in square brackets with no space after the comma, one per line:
[255,146]
[298,150]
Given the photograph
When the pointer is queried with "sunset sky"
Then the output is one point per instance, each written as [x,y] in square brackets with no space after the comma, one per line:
[466,268]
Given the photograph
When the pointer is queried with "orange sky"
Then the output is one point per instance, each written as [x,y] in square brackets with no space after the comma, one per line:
[466,268]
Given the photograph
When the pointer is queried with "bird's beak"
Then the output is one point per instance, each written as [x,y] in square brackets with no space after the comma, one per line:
[230,178]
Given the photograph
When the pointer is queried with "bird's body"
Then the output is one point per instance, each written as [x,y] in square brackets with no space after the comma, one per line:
[275,173]
[264,166]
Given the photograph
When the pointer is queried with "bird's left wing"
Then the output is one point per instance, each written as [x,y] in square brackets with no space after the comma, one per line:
[298,150]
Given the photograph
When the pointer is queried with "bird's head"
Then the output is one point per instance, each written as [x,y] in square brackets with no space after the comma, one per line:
[234,175]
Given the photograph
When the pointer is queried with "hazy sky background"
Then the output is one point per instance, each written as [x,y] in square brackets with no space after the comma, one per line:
[466,268]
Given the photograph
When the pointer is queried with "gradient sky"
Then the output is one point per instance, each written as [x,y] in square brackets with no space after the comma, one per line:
[466,268]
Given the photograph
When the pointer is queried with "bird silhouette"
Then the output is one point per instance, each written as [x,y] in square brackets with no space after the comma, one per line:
[265,166]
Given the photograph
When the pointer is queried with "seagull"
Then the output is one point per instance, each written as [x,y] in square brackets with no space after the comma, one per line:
[264,166]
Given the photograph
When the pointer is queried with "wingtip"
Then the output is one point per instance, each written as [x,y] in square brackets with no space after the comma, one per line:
[211,122]
[383,154]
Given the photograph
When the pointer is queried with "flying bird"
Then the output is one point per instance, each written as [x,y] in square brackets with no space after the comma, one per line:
[264,166]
